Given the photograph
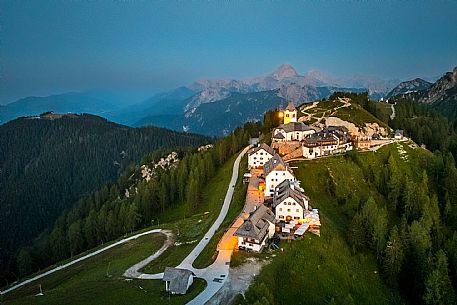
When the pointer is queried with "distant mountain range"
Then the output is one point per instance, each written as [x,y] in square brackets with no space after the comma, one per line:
[410,86]
[441,95]
[212,106]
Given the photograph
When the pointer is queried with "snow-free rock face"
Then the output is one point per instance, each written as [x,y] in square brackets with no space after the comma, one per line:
[148,171]
[367,131]
[284,71]
[444,88]
[410,86]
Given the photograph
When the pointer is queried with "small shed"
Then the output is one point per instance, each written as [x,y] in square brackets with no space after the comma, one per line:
[177,280]
[398,134]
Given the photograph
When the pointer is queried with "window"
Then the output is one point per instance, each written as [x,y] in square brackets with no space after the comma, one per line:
[287,115]
[288,210]
[297,210]
[276,174]
[283,174]
[293,203]
[280,209]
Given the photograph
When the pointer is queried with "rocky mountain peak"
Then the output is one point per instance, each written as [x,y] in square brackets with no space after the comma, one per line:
[284,71]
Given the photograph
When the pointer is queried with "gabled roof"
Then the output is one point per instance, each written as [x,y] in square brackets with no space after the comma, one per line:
[278,136]
[290,106]
[275,163]
[263,146]
[256,226]
[295,126]
[178,279]
[284,191]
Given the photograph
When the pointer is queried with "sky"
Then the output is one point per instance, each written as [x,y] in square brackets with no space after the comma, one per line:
[56,46]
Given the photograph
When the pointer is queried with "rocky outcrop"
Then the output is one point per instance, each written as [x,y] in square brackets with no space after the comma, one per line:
[368,131]
[410,86]
[439,91]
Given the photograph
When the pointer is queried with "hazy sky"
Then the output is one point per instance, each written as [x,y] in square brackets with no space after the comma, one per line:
[56,46]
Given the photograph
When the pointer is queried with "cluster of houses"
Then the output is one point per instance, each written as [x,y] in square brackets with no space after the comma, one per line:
[286,211]
[315,142]
[296,139]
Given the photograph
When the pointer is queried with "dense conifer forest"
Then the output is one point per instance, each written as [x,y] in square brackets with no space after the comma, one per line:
[108,213]
[46,165]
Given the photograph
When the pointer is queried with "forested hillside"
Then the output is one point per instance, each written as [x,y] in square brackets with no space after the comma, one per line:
[388,216]
[112,211]
[47,164]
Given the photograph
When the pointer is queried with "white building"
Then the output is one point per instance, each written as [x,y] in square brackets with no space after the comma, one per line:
[289,203]
[259,155]
[398,134]
[177,281]
[256,230]
[290,113]
[329,141]
[294,131]
[276,171]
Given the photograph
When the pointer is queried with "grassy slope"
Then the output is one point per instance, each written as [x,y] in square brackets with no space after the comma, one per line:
[209,254]
[87,282]
[316,270]
[193,228]
[354,114]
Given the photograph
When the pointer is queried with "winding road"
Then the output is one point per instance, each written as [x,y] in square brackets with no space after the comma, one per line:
[215,274]
[122,241]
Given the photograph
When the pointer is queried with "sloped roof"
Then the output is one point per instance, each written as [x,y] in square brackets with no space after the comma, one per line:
[263,146]
[290,106]
[278,136]
[256,226]
[274,163]
[285,191]
[178,279]
[295,126]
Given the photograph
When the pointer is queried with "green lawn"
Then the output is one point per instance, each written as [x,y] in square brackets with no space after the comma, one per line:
[324,270]
[209,254]
[193,228]
[98,280]
[354,113]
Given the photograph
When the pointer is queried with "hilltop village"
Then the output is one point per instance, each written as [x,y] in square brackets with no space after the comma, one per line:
[280,207]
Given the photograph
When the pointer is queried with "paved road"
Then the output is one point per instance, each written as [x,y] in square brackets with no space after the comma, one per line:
[133,272]
[392,115]
[39,276]
[215,274]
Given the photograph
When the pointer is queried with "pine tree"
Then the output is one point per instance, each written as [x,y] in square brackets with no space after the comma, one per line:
[438,287]
[24,262]
[394,256]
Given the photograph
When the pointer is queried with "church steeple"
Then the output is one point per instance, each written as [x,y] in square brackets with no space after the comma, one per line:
[290,113]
